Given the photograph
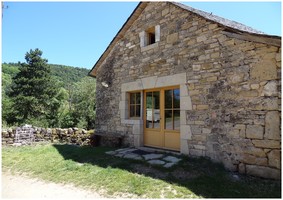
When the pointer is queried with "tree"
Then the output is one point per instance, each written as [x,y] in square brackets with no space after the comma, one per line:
[84,104]
[33,89]
[6,101]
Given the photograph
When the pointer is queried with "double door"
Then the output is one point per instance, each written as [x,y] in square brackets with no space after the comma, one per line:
[162,118]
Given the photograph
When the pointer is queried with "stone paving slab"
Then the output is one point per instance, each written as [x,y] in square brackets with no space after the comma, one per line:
[147,155]
[168,165]
[133,156]
[171,159]
[156,162]
[152,156]
[111,153]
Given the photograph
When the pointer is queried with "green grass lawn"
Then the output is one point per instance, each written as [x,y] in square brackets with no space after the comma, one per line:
[91,168]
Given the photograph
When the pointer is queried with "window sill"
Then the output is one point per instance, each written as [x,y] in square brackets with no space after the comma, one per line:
[148,47]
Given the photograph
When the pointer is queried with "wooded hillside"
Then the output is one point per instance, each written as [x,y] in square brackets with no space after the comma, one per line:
[74,99]
[66,75]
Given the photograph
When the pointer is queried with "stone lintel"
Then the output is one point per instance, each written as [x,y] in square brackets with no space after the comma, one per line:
[149,82]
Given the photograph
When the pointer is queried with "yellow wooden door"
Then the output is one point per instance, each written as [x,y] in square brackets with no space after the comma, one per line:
[162,118]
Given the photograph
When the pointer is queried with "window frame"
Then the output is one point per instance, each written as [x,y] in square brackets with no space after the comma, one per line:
[147,36]
[134,104]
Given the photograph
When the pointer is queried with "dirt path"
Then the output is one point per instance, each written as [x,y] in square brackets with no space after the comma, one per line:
[23,187]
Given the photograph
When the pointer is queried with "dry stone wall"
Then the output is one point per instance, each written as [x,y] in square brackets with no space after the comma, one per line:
[234,86]
[69,136]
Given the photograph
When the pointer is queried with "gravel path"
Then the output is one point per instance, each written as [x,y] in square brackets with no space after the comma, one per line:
[23,187]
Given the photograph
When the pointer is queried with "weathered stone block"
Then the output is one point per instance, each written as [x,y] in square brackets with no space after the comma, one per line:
[270,89]
[274,159]
[186,103]
[272,125]
[278,57]
[264,172]
[242,130]
[123,105]
[202,107]
[197,146]
[268,104]
[258,152]
[212,78]
[236,78]
[242,168]
[207,66]
[183,119]
[254,131]
[186,132]
[234,133]
[266,143]
[196,67]
[249,93]
[184,90]
[194,92]
[138,140]
[212,26]
[165,12]
[201,38]
[215,55]
[206,130]
[184,147]
[196,152]
[254,86]
[200,138]
[137,129]
[266,70]
[172,38]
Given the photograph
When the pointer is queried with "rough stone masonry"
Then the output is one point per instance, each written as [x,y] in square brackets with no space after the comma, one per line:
[232,112]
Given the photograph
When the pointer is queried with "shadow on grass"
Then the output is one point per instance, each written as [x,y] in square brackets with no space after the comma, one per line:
[200,176]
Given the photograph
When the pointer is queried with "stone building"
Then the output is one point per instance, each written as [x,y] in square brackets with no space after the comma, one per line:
[182,79]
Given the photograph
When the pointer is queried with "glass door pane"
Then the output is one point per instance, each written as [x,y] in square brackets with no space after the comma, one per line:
[176,99]
[153,109]
[168,120]
[149,106]
[168,99]
[176,119]
[156,109]
[172,109]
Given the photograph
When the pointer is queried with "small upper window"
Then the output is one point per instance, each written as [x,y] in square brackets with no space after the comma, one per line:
[135,104]
[150,36]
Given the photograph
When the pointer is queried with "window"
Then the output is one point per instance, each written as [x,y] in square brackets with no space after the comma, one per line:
[172,109]
[150,36]
[135,104]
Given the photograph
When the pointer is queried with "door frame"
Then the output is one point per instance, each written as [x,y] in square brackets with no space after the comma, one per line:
[162,132]
[152,82]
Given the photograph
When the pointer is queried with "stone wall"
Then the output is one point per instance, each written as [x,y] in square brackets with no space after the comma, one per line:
[233,85]
[54,135]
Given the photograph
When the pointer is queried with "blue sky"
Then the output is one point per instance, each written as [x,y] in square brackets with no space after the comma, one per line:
[77,33]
